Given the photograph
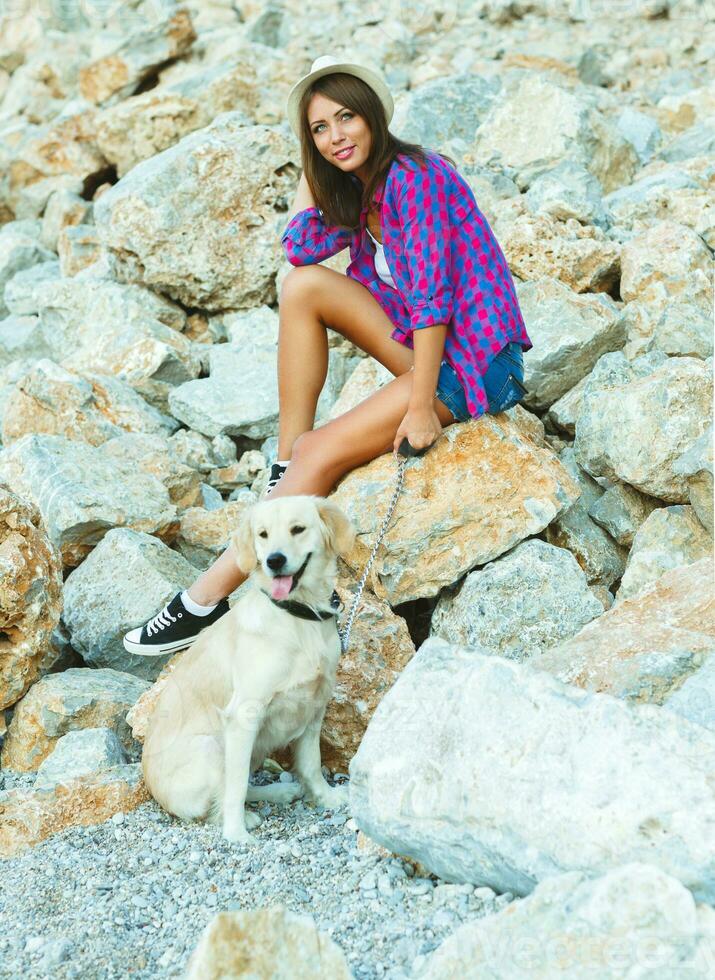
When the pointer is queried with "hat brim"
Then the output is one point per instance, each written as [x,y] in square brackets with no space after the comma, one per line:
[365,74]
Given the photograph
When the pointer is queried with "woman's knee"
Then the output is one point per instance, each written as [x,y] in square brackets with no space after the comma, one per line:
[315,448]
[299,282]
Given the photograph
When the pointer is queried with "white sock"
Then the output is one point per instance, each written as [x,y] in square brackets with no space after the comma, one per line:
[194,607]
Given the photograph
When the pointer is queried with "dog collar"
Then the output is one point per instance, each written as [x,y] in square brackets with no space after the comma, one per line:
[299,609]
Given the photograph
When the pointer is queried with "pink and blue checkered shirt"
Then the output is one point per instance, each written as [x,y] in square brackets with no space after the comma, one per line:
[447,266]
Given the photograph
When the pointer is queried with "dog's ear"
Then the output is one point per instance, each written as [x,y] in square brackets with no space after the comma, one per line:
[242,541]
[339,532]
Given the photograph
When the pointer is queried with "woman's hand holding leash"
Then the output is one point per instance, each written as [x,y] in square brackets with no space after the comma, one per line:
[420,426]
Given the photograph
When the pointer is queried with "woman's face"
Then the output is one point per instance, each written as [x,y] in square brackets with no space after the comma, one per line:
[335,128]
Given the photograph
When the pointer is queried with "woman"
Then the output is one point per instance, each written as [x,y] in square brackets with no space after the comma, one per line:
[423,256]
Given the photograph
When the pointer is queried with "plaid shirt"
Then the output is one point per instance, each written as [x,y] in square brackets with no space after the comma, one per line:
[447,266]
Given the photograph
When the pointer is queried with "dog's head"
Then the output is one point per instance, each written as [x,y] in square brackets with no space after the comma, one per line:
[291,544]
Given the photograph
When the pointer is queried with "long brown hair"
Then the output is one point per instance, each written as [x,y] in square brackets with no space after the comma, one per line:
[338,196]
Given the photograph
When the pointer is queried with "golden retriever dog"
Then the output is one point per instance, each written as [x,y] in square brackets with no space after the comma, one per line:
[257,679]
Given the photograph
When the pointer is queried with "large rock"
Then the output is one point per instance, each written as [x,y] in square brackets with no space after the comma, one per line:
[20,249]
[483,487]
[696,465]
[30,595]
[638,417]
[695,699]
[602,559]
[20,290]
[666,254]
[69,700]
[574,927]
[143,125]
[379,648]
[57,155]
[98,611]
[21,338]
[538,246]
[90,409]
[268,942]
[82,492]
[492,772]
[525,602]
[669,538]
[677,192]
[121,68]
[540,123]
[111,328]
[621,510]
[643,647]
[195,221]
[571,331]
[568,191]
[30,816]
[79,753]
[151,453]
[444,108]
[63,209]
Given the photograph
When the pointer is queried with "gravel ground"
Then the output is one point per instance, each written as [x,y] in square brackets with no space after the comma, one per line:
[131,896]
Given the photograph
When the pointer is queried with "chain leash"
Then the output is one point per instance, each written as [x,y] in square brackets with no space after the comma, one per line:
[344,632]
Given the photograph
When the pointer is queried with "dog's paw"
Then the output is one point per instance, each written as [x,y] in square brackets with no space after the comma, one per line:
[288,792]
[239,835]
[332,797]
[252,819]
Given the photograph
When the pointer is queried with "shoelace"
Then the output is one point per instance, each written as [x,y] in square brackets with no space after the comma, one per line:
[161,620]
[273,482]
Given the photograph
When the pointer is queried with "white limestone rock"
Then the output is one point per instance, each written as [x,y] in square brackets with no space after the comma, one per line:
[126,580]
[570,332]
[524,602]
[79,753]
[668,538]
[638,417]
[490,772]
[633,920]
[82,493]
[199,221]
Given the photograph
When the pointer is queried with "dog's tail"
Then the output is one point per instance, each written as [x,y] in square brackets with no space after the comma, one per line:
[215,811]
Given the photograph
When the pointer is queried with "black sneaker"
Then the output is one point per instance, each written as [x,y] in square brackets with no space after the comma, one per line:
[174,628]
[276,473]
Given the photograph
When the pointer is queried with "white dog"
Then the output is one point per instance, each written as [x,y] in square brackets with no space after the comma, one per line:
[259,678]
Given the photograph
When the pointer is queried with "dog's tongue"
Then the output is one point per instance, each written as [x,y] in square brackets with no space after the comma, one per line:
[280,586]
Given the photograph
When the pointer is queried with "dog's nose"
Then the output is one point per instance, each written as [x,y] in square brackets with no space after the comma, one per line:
[276,560]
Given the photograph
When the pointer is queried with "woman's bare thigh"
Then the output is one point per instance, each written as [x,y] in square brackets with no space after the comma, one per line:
[350,309]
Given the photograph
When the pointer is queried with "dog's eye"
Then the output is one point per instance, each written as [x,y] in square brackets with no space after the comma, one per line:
[297,529]
[263,534]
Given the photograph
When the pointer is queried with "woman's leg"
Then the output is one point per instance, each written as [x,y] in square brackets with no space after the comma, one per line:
[312,298]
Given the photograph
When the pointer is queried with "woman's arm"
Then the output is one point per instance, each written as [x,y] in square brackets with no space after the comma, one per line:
[307,239]
[303,197]
[428,350]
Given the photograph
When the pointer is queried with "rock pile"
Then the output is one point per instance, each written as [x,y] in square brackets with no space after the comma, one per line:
[528,704]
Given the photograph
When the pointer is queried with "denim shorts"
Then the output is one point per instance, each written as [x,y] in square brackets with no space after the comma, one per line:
[503,383]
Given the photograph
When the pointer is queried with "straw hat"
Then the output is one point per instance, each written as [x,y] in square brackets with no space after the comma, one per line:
[326,65]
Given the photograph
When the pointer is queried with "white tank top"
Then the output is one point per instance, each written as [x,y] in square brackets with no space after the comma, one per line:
[381,266]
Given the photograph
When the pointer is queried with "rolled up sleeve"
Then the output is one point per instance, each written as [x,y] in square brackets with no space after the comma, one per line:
[307,239]
[423,209]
